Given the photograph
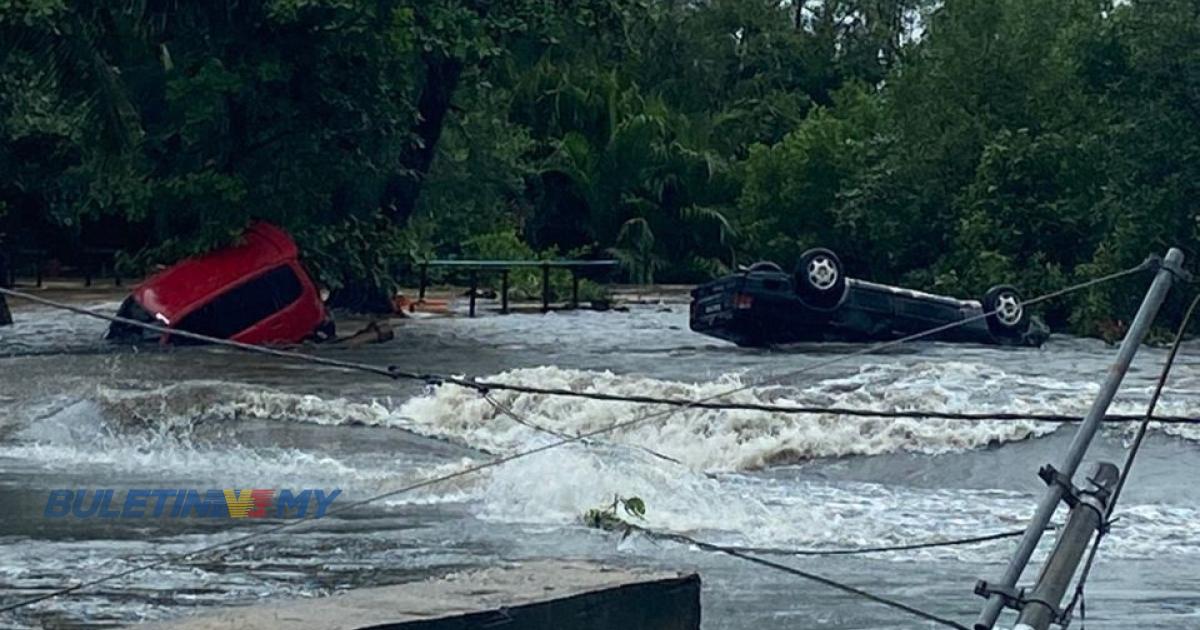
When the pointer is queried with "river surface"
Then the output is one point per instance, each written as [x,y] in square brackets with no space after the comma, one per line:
[76,413]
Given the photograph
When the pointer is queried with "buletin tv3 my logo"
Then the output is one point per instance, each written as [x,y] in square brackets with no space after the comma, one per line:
[189,503]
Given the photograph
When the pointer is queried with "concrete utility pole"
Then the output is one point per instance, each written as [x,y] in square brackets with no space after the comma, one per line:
[1005,592]
[1087,515]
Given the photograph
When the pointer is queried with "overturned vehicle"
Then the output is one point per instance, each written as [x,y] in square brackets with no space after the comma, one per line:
[254,292]
[763,305]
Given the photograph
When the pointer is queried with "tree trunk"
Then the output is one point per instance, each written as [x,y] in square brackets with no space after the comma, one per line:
[402,189]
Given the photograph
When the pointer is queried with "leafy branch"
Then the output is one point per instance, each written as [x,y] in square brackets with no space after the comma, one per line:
[608,518]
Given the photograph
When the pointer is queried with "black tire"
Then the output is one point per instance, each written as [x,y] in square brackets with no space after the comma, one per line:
[819,278]
[120,331]
[1007,315]
[764,265]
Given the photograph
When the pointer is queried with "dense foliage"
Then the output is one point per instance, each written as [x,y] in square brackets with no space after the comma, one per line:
[944,145]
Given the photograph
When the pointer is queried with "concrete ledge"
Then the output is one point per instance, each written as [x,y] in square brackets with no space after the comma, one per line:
[526,596]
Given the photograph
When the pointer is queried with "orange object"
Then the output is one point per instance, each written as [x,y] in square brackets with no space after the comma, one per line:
[404,304]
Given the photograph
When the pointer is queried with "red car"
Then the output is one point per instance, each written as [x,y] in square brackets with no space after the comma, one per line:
[254,292]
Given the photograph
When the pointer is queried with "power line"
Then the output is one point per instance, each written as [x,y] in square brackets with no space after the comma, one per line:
[917,414]
[512,415]
[743,553]
[858,551]
[708,403]
[841,586]
[240,540]
[1135,447]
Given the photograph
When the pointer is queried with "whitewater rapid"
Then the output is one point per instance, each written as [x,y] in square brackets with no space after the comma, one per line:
[703,439]
[203,418]
[183,430]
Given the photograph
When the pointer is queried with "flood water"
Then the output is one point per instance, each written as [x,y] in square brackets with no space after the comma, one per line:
[76,413]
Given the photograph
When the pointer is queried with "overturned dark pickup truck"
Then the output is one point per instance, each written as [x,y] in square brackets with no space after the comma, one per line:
[763,306]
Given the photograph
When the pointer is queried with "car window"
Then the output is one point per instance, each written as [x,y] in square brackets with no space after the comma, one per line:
[244,305]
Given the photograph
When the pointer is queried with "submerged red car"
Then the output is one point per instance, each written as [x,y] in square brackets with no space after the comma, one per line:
[253,292]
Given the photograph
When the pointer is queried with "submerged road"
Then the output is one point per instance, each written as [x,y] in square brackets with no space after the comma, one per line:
[195,418]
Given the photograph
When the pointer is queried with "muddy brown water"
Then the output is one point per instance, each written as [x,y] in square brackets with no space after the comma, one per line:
[76,413]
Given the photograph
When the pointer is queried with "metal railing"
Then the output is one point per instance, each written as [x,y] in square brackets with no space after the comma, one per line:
[97,260]
[31,261]
[22,256]
[475,267]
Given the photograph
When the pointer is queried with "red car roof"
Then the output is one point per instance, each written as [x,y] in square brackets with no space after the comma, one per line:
[173,293]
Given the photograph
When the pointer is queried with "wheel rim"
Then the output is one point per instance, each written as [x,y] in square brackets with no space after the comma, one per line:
[1009,309]
[822,273]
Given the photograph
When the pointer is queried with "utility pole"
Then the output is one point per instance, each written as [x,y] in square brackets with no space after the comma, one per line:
[1087,515]
[1059,484]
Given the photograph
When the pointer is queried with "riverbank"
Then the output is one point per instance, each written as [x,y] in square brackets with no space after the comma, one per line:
[74,291]
[354,329]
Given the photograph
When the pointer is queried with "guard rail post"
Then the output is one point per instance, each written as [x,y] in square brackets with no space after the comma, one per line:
[424,282]
[474,291]
[504,291]
[5,314]
[574,288]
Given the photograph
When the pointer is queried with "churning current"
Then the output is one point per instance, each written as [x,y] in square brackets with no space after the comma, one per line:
[76,413]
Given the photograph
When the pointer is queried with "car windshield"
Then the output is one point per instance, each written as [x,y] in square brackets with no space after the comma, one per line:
[243,306]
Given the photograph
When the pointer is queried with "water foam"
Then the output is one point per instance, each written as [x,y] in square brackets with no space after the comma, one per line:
[558,486]
[183,406]
[156,429]
[180,431]
[725,439]
[738,506]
